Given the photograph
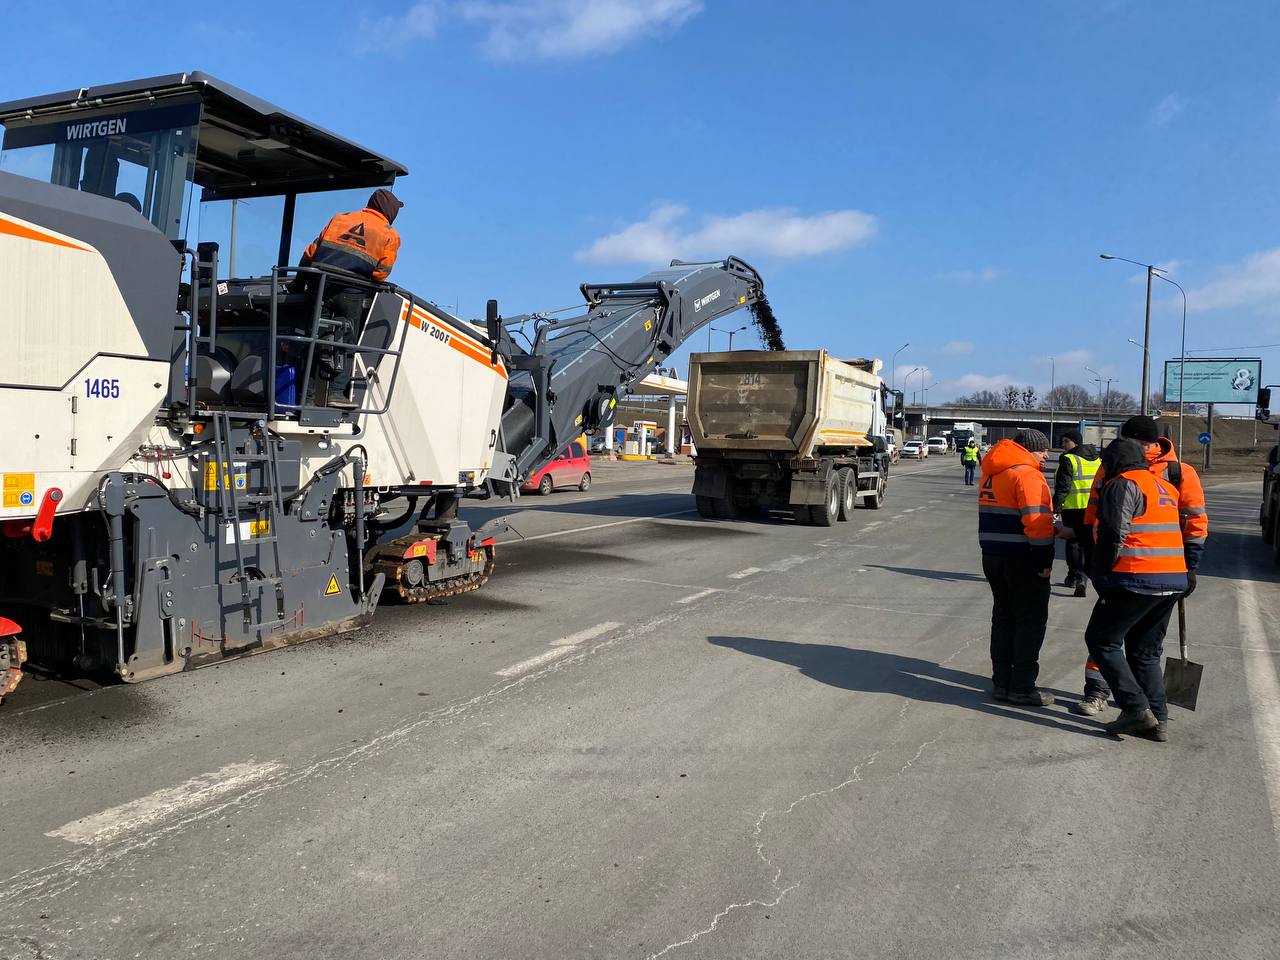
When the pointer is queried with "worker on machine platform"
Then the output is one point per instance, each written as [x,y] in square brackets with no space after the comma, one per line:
[362,242]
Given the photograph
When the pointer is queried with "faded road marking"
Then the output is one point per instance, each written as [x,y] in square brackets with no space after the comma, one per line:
[582,636]
[1260,680]
[743,574]
[597,526]
[698,596]
[524,666]
[109,824]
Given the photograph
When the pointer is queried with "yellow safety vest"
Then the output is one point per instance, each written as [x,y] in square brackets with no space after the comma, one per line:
[970,454]
[1082,473]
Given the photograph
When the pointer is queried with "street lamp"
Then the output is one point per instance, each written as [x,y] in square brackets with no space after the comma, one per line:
[1152,271]
[1053,378]
[893,367]
[1098,378]
[729,332]
[1182,359]
[905,381]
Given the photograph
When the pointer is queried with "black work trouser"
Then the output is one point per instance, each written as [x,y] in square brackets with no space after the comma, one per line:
[1125,638]
[1080,550]
[1019,616]
[968,472]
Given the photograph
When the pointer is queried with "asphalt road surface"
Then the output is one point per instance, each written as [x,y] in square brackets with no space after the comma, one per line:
[657,736]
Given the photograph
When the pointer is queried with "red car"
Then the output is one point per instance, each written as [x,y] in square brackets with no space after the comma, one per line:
[571,468]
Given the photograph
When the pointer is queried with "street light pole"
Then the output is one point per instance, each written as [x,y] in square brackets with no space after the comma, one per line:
[1146,333]
[893,367]
[732,332]
[905,381]
[1052,386]
[1182,358]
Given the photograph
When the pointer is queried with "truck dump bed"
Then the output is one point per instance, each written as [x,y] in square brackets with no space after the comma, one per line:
[795,402]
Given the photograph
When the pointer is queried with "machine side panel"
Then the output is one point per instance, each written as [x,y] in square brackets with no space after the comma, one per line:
[115,288]
[444,409]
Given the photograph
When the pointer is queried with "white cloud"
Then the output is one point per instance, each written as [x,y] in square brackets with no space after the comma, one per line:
[1252,281]
[973,382]
[419,22]
[1166,110]
[957,347]
[1067,359]
[549,29]
[984,275]
[780,232]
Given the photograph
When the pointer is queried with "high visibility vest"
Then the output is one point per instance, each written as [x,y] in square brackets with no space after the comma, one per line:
[1153,548]
[970,454]
[1082,473]
[362,243]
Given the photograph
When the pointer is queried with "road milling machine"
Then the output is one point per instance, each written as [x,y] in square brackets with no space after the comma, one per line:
[197,466]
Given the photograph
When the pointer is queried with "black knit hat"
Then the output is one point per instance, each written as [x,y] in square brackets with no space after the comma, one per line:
[1142,429]
[1031,439]
[1072,435]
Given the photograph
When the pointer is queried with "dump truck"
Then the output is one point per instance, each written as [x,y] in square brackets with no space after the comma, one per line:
[209,465]
[793,430]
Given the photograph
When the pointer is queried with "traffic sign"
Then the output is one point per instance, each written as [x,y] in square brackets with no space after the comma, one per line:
[1205,438]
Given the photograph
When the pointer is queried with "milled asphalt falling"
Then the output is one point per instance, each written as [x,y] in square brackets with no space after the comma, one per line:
[760,740]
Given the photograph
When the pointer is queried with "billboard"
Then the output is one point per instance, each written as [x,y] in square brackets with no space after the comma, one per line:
[1213,381]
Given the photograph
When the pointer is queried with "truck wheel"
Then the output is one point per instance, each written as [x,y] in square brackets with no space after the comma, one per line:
[1268,529]
[825,514]
[546,485]
[848,493]
[873,503]
[726,509]
[706,507]
[1275,535]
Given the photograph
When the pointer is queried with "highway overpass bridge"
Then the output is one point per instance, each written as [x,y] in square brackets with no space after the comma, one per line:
[1000,422]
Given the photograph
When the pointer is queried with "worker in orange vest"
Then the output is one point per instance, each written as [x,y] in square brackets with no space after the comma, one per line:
[362,242]
[1140,571]
[1193,518]
[1016,534]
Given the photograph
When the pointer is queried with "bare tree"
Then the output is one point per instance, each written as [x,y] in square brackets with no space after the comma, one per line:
[1069,396]
[1117,401]
[1029,397]
[981,398]
[1011,396]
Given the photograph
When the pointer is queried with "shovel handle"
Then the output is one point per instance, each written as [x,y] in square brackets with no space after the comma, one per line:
[1182,627]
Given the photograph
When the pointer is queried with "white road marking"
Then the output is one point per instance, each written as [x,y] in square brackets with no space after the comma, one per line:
[559,648]
[103,827]
[698,596]
[597,526]
[582,636]
[743,574]
[524,666]
[1260,680]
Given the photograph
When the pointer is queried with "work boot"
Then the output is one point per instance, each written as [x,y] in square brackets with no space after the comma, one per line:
[1159,733]
[1080,586]
[1031,698]
[1070,581]
[1000,694]
[1133,721]
[1089,706]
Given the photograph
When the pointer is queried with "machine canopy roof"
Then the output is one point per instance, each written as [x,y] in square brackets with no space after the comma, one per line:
[247,147]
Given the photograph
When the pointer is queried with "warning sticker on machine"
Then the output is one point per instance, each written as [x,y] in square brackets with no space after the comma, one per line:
[249,529]
[238,477]
[19,489]
[332,587]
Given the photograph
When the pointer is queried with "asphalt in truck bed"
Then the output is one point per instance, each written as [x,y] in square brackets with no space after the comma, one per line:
[656,735]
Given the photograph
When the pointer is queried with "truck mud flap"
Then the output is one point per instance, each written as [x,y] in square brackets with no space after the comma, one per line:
[710,482]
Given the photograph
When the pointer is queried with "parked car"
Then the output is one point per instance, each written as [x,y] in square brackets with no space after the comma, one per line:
[937,444]
[598,445]
[571,468]
[915,450]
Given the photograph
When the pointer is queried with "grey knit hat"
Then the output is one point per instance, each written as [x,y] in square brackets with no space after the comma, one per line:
[1032,440]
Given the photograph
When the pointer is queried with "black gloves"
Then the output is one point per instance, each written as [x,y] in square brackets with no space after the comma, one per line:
[1191,583]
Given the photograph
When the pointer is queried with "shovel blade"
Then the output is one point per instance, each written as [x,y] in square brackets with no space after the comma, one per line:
[1182,682]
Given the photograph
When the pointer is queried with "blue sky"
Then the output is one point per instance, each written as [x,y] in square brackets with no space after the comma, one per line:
[944,174]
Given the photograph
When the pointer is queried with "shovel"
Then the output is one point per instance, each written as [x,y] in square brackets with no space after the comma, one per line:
[1182,677]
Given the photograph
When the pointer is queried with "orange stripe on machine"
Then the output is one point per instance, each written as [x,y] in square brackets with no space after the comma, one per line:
[15,229]
[469,348]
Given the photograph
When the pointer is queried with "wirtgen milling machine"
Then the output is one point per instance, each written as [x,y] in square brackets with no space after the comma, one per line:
[195,466]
